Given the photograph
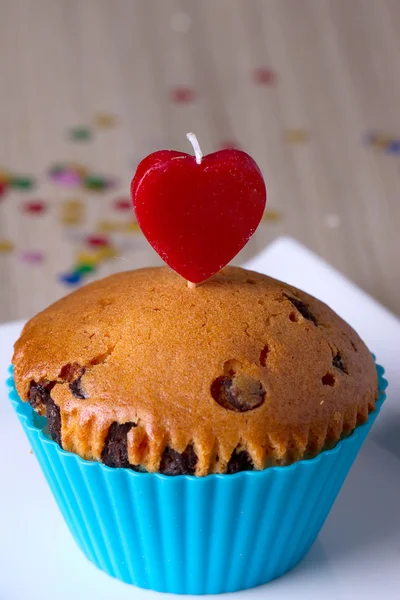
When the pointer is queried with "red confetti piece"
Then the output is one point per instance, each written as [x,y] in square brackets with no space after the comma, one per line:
[123,204]
[35,207]
[229,144]
[97,241]
[3,189]
[263,76]
[183,95]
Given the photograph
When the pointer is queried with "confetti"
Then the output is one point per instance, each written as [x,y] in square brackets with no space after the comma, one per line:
[229,144]
[105,253]
[67,177]
[80,134]
[105,120]
[264,76]
[3,189]
[271,216]
[332,221]
[181,22]
[132,227]
[5,177]
[108,226]
[117,227]
[182,95]
[79,168]
[69,174]
[95,183]
[22,182]
[32,257]
[393,147]
[88,261]
[296,136]
[34,207]
[97,241]
[123,204]
[6,246]
[85,268]
[382,141]
[72,212]
[70,278]
[87,258]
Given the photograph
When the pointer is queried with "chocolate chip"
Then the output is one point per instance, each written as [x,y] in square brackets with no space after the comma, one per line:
[263,356]
[53,420]
[302,308]
[76,387]
[239,393]
[38,394]
[239,461]
[174,463]
[328,379]
[338,363]
[115,451]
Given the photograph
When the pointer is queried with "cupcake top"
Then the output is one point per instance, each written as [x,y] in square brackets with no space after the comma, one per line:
[243,372]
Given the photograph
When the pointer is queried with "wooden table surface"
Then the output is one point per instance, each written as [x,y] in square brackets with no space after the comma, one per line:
[310,88]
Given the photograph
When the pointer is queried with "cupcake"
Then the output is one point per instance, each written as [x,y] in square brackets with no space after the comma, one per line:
[195,440]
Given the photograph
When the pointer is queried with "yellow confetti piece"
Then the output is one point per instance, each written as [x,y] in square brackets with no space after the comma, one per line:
[5,177]
[87,258]
[105,120]
[132,227]
[271,216]
[381,141]
[296,136]
[97,256]
[72,211]
[108,226]
[105,253]
[117,227]
[6,246]
[81,169]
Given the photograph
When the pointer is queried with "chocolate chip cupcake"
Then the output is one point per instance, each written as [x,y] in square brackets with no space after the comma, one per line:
[243,374]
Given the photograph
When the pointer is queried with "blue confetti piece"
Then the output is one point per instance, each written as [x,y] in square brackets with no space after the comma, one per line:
[393,147]
[71,278]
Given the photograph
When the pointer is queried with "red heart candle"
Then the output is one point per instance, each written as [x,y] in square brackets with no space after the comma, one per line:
[198,212]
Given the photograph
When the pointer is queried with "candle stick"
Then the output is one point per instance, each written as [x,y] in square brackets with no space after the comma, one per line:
[199,155]
[196,147]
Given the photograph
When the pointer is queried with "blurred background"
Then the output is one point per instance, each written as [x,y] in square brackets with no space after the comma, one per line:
[309,88]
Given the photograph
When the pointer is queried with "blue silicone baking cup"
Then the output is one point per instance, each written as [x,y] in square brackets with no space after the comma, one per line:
[188,535]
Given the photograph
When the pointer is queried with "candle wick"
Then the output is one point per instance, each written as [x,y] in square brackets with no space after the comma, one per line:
[196,147]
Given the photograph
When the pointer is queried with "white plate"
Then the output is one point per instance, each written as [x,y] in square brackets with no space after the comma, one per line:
[357,554]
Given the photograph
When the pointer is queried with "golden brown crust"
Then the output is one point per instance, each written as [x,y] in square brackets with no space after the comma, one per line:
[150,350]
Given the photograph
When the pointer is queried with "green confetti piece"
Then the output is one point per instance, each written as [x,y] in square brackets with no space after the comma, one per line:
[83,269]
[80,134]
[95,182]
[22,183]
